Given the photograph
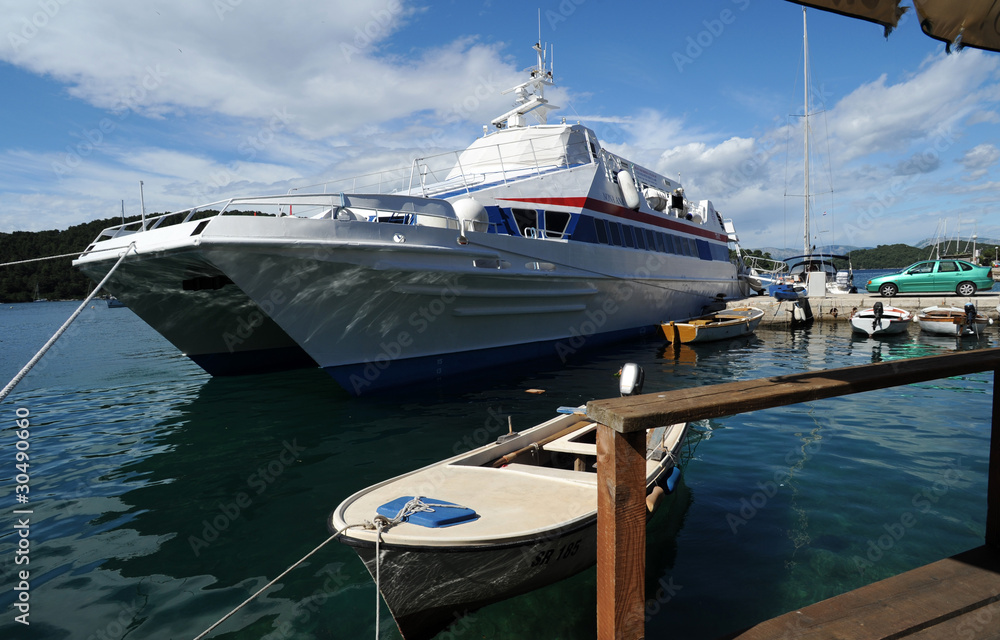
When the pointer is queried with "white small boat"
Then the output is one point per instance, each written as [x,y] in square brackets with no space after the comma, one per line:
[880,320]
[492,523]
[953,321]
[721,325]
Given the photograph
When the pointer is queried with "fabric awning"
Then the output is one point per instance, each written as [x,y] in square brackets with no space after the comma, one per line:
[958,23]
[962,23]
[883,12]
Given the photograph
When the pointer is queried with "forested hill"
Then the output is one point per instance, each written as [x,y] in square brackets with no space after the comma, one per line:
[56,279]
[887,256]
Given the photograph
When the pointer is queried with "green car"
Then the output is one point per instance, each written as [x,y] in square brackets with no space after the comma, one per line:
[964,278]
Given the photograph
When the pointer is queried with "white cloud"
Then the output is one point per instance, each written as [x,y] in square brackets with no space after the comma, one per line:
[979,159]
[250,60]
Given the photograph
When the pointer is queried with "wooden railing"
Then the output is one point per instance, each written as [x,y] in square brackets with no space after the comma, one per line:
[621,518]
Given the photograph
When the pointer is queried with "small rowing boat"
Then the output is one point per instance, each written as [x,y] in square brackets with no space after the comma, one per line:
[492,523]
[730,323]
[880,320]
[952,321]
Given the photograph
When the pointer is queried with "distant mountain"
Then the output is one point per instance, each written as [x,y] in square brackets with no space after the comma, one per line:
[780,254]
[959,242]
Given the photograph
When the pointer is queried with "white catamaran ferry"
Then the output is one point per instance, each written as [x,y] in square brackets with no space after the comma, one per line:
[533,241]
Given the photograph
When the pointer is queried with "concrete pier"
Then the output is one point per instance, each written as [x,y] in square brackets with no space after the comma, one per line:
[838,308]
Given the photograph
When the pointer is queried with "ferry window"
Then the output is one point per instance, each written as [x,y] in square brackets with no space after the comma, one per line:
[629,234]
[616,234]
[556,223]
[601,226]
[640,238]
[525,218]
[651,240]
[947,265]
[670,244]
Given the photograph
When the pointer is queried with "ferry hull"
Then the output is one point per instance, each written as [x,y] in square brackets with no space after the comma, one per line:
[376,314]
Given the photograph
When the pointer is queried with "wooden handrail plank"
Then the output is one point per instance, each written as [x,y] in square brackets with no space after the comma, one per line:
[634,413]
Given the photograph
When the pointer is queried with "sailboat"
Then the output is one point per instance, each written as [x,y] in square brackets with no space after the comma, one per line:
[816,271]
[37,298]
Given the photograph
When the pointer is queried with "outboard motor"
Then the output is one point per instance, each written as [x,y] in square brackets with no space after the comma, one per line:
[632,378]
[879,311]
[970,314]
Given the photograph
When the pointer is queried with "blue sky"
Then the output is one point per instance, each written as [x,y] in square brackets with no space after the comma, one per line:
[205,100]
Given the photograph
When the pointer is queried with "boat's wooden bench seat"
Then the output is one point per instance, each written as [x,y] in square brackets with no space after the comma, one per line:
[566,444]
[551,472]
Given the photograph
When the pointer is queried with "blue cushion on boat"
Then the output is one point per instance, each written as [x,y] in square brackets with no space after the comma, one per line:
[440,516]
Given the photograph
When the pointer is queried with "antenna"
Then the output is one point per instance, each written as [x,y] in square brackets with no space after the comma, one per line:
[142,206]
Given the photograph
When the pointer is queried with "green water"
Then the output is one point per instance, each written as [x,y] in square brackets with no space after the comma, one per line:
[162,498]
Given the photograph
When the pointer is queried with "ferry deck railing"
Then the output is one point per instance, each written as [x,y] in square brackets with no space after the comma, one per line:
[437,175]
[621,446]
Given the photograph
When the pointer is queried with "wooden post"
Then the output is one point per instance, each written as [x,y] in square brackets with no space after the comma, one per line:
[621,533]
[993,473]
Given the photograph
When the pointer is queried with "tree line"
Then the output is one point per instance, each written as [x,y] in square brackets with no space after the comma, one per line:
[889,256]
[58,280]
[52,279]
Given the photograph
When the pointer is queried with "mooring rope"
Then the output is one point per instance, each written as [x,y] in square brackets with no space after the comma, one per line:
[41,352]
[65,255]
[273,582]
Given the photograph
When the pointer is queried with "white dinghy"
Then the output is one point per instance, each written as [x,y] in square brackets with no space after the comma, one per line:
[493,523]
[879,320]
[952,321]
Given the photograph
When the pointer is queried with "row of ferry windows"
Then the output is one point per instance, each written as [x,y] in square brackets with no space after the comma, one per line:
[553,224]
[623,235]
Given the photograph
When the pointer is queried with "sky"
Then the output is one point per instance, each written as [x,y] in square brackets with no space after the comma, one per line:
[217,98]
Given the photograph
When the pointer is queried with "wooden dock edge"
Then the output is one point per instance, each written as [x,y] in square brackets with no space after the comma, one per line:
[621,553]
[958,597]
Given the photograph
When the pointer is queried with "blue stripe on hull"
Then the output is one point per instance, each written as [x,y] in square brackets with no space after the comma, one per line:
[385,372]
[252,362]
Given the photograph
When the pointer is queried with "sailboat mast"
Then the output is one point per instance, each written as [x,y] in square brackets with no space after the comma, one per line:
[805,126]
